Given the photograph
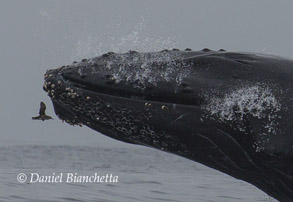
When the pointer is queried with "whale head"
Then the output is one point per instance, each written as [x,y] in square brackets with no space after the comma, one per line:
[121,95]
[223,109]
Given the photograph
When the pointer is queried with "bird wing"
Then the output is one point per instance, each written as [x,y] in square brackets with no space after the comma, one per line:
[42,108]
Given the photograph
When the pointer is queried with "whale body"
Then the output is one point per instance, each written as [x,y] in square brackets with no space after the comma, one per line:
[231,111]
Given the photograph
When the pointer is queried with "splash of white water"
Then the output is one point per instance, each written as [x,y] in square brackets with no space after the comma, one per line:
[118,40]
[257,101]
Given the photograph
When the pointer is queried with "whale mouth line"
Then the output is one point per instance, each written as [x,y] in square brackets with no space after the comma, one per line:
[81,85]
[110,90]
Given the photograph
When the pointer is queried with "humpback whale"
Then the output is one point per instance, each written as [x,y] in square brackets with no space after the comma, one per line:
[231,111]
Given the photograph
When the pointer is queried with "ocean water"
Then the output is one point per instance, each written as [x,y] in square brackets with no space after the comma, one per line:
[143,175]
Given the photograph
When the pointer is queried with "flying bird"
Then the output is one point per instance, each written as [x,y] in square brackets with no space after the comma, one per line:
[42,113]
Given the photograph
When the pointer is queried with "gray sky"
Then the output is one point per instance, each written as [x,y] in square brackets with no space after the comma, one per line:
[39,35]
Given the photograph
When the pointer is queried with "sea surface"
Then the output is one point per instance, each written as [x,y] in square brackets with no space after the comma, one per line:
[143,175]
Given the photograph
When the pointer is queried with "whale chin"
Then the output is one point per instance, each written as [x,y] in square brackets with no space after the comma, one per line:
[229,111]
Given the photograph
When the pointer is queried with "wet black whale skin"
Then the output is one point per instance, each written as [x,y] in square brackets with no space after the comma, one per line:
[167,110]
